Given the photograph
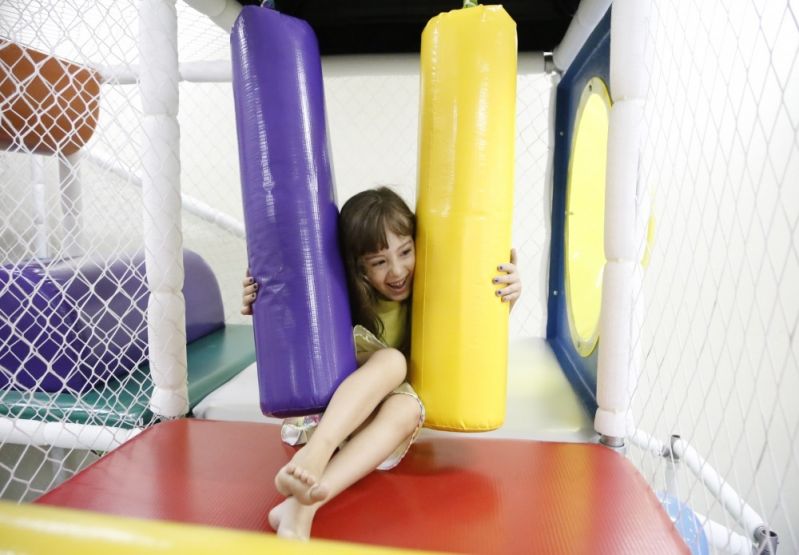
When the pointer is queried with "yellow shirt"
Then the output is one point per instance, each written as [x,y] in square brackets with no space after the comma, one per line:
[394,316]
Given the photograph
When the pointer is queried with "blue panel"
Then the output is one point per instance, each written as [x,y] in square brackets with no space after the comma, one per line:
[593,60]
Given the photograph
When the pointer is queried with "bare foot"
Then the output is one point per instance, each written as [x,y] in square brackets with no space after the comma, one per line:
[276,514]
[294,519]
[298,478]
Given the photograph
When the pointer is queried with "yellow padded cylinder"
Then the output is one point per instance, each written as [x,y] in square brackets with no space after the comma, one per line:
[41,529]
[464,210]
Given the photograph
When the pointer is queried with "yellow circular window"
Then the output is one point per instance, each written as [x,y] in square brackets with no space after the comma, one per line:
[585,216]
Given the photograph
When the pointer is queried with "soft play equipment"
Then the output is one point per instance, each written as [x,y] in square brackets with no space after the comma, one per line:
[69,341]
[575,292]
[459,495]
[303,327]
[119,403]
[463,494]
[39,529]
[56,109]
[460,328]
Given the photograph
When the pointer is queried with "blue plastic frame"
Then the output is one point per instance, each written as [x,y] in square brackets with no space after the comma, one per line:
[593,60]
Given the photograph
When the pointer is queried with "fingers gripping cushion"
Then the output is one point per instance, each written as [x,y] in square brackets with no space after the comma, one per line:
[303,328]
[465,199]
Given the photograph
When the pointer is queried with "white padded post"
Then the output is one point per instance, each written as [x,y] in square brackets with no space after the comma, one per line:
[589,13]
[617,366]
[614,362]
[629,28]
[221,12]
[624,132]
[163,238]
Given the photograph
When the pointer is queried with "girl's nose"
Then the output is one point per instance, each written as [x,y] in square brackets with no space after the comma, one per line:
[394,269]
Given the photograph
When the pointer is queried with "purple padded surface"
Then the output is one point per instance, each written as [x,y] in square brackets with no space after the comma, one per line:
[303,327]
[69,327]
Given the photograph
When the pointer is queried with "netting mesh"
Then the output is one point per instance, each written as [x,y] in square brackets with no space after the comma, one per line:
[718,346]
[373,119]
[64,213]
[372,106]
[57,211]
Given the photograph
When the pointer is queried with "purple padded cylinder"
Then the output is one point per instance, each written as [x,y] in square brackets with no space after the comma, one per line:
[303,327]
[68,327]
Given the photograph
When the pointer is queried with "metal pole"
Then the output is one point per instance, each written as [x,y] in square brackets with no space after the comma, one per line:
[672,467]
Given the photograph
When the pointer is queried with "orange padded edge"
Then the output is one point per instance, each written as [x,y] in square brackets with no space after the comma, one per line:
[459,495]
[50,105]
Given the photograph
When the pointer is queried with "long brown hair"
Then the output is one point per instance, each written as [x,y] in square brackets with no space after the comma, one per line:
[362,227]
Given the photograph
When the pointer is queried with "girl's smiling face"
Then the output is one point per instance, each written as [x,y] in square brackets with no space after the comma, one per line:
[390,271]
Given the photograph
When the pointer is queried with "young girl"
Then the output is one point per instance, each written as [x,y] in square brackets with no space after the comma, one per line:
[374,415]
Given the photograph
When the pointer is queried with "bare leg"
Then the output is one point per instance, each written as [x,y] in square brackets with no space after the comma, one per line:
[396,419]
[354,400]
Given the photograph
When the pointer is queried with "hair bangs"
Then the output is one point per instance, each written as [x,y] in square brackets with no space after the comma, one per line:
[382,215]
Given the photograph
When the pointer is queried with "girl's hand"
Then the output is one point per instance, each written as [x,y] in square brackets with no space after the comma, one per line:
[249,294]
[511,281]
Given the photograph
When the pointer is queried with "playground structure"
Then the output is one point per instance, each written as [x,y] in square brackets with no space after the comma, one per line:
[709,325]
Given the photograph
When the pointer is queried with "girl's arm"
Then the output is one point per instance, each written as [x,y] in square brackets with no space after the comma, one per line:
[511,282]
[509,292]
[249,294]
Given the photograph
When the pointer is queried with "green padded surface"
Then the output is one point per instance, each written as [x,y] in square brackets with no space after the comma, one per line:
[212,361]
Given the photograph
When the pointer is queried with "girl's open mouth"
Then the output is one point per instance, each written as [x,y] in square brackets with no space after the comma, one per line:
[398,286]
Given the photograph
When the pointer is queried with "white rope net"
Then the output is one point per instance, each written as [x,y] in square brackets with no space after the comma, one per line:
[372,106]
[50,231]
[373,123]
[718,347]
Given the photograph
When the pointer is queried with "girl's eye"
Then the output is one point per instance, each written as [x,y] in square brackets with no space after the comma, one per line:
[377,263]
[406,252]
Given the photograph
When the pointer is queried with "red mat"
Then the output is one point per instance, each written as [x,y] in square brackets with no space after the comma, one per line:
[450,494]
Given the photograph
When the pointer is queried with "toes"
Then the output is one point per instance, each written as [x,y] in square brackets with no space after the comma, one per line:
[318,492]
[304,476]
[293,480]
[284,479]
